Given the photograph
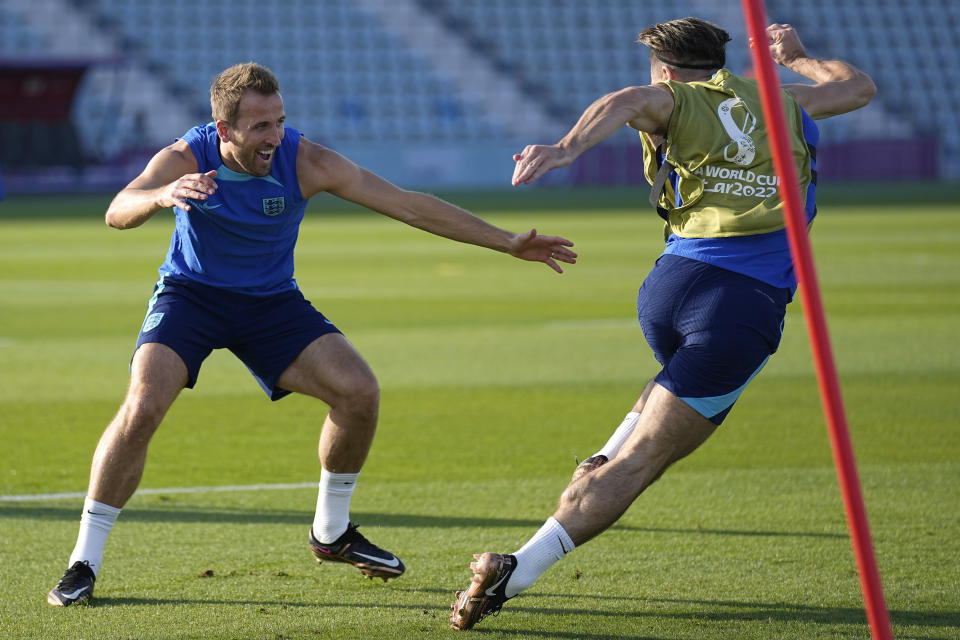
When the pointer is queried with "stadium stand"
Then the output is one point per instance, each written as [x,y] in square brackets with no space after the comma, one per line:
[908,48]
[344,76]
[563,52]
[384,74]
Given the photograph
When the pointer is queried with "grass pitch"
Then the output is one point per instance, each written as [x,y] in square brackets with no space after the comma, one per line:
[495,373]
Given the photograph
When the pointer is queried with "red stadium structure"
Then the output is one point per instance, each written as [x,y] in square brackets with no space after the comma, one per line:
[877,615]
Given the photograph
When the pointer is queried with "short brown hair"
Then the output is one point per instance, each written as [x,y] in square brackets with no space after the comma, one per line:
[228,87]
[687,43]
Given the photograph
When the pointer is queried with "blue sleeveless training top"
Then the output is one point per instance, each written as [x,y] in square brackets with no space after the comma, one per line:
[242,237]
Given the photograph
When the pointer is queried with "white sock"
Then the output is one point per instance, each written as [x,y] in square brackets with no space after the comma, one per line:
[619,436]
[333,505]
[541,552]
[95,525]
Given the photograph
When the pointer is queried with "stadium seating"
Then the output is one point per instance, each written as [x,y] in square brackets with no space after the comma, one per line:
[908,48]
[349,76]
[565,53]
[343,75]
[17,39]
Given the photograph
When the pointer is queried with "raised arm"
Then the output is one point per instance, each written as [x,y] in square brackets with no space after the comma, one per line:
[168,180]
[646,108]
[840,87]
[321,169]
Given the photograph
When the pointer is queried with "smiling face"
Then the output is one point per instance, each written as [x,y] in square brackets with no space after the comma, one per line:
[248,143]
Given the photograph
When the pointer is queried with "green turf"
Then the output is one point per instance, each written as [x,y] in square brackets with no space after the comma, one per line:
[495,373]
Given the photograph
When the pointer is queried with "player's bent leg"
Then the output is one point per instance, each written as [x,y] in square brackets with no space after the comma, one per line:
[157,375]
[668,430]
[615,442]
[333,371]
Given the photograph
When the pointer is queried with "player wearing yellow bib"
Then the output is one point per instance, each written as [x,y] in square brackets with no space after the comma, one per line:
[712,308]
[724,184]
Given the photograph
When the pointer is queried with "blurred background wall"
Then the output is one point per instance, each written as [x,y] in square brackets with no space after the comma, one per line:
[434,93]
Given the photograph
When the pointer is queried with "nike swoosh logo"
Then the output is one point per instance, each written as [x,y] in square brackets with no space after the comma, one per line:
[392,562]
[492,590]
[71,596]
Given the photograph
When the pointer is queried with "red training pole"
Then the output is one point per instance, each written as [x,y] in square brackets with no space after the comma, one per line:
[769,84]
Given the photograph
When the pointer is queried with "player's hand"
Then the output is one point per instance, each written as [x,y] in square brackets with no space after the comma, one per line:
[196,186]
[546,249]
[536,160]
[785,45]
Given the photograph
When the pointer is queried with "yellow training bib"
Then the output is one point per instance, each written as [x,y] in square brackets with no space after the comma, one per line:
[717,142]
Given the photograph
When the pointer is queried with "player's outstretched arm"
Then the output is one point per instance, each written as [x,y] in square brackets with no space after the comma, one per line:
[321,169]
[643,108]
[168,180]
[840,87]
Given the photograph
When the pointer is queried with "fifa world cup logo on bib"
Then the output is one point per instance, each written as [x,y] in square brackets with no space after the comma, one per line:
[742,149]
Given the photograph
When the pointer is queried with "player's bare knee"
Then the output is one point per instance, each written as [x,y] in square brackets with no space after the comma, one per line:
[139,417]
[361,397]
[366,390]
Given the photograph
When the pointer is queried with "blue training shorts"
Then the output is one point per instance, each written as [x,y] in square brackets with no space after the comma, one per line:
[711,329]
[267,333]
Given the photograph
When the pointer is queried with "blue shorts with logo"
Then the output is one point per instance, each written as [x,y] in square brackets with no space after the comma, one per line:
[266,333]
[712,329]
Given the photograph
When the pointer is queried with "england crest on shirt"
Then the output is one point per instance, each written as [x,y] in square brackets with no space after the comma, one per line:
[274,206]
[151,322]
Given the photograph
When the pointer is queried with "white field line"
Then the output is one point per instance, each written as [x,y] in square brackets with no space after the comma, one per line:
[172,490]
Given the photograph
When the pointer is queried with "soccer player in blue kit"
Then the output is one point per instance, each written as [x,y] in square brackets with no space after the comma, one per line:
[712,308]
[239,187]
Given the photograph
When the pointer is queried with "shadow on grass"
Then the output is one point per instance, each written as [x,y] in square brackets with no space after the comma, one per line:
[704,611]
[221,515]
[728,610]
[439,615]
[732,611]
